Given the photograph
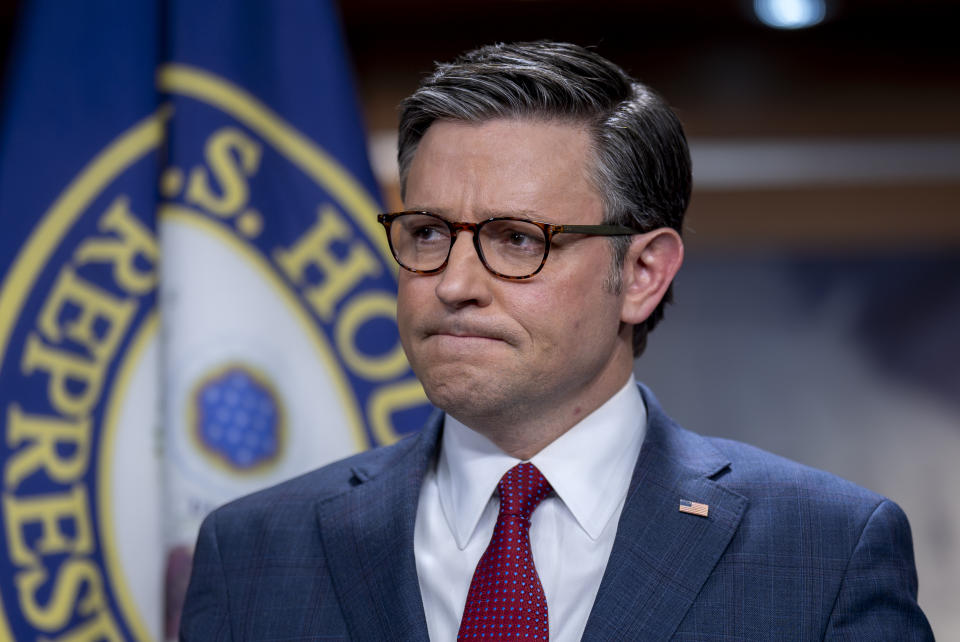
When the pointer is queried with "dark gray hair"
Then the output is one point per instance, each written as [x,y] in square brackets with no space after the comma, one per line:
[641,161]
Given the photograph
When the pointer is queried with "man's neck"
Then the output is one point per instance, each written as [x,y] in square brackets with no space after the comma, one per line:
[525,431]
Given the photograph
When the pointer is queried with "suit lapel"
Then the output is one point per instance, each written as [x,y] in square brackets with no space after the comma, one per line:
[661,556]
[367,535]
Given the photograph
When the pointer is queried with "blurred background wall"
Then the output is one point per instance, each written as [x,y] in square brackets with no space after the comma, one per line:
[817,315]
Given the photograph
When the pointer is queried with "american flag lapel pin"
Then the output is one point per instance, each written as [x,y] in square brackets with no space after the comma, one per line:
[694,508]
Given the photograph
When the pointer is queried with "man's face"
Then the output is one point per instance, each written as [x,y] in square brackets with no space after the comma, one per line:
[489,348]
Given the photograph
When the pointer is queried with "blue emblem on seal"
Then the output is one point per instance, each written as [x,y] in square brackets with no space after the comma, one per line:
[238,419]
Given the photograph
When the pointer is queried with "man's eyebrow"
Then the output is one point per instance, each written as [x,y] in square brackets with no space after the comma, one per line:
[518,213]
[439,211]
[484,213]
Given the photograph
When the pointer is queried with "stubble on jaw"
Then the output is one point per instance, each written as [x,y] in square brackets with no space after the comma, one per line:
[510,411]
[465,386]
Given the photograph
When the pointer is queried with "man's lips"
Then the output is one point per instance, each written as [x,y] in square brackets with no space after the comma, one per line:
[466,332]
[463,338]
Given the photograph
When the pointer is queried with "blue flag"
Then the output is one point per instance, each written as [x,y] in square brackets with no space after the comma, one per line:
[196,301]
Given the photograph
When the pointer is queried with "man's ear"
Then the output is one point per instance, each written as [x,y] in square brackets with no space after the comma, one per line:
[652,261]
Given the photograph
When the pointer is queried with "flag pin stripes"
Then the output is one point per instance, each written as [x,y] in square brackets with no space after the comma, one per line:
[694,508]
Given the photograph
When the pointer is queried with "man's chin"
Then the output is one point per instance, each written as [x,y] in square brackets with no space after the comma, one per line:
[462,390]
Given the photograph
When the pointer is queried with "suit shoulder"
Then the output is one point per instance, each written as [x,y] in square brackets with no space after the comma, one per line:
[757,473]
[806,513]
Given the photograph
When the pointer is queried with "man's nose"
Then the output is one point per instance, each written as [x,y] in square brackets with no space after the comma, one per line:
[465,280]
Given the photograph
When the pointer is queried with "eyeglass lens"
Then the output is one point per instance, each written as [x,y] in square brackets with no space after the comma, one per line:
[509,247]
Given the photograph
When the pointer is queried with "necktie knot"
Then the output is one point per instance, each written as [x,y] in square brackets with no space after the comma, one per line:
[522,488]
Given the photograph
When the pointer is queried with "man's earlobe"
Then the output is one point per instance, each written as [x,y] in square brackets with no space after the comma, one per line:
[652,261]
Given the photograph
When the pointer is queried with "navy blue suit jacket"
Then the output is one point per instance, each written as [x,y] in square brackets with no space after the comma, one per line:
[786,553]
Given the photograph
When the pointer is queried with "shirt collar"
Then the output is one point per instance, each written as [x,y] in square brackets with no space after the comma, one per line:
[589,466]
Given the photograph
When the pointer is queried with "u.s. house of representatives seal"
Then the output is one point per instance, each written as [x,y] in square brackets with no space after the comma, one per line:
[273,350]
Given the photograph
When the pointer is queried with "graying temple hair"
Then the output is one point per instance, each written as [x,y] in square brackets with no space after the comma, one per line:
[641,161]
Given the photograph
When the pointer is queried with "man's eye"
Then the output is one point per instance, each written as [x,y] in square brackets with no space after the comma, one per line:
[515,237]
[426,233]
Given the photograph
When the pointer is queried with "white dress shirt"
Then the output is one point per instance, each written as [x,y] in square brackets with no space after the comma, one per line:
[571,531]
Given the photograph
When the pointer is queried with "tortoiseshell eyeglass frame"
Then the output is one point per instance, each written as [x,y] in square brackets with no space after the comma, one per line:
[548,229]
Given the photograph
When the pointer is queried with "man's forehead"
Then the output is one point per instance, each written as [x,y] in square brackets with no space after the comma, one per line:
[507,145]
[502,167]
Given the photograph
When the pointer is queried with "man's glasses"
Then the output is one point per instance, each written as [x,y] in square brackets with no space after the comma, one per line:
[511,248]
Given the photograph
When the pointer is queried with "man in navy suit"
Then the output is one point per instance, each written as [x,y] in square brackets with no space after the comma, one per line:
[553,496]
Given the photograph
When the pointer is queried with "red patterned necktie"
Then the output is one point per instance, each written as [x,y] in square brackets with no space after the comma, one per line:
[506,600]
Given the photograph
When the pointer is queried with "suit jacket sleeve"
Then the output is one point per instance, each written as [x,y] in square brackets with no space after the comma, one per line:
[206,614]
[878,593]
